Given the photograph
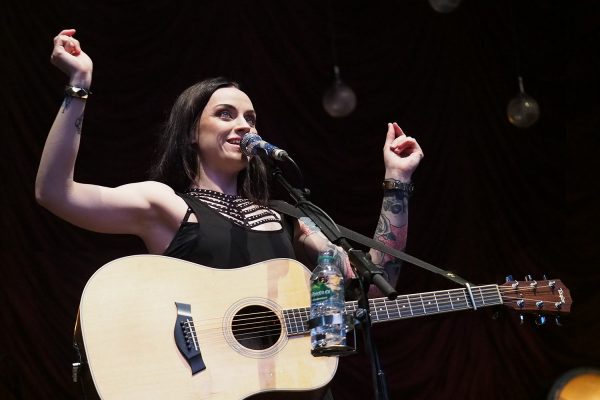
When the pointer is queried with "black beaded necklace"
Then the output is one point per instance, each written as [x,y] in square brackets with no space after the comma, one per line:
[239,210]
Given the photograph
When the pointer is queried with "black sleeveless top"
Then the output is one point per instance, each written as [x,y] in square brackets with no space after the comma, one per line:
[215,241]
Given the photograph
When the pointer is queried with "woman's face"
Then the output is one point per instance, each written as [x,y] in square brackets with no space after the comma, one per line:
[227,117]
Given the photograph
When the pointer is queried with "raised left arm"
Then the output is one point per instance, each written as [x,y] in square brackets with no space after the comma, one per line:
[401,155]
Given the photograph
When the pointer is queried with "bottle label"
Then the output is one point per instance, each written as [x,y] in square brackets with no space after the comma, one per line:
[320,291]
[323,288]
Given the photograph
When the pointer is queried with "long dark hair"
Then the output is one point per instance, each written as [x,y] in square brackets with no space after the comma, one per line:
[177,157]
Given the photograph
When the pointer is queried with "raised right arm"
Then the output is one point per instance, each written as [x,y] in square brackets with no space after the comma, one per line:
[137,208]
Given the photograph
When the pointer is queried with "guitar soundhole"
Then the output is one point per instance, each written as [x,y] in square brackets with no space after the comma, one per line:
[256,327]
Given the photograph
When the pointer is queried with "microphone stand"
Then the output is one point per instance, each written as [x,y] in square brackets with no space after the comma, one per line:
[366,272]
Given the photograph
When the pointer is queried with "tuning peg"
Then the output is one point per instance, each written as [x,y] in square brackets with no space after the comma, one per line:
[557,321]
[539,304]
[521,319]
[509,278]
[533,285]
[528,278]
[540,320]
[544,276]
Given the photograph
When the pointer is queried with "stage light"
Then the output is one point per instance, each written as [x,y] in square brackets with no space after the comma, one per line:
[523,110]
[339,100]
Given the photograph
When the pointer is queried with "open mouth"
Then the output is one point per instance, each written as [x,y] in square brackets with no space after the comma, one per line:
[234,141]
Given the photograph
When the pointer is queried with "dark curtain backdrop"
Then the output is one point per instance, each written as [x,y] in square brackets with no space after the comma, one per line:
[491,199]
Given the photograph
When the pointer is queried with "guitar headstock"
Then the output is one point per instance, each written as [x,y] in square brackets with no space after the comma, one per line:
[539,297]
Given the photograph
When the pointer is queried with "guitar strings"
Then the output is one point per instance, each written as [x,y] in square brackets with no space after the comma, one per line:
[285,322]
[431,300]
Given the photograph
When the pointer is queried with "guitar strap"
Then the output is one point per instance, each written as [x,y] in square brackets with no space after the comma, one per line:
[289,209]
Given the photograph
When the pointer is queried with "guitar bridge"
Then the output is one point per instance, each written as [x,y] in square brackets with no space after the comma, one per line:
[186,338]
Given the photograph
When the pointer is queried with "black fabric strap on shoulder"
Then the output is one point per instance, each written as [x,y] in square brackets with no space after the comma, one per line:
[186,217]
[289,209]
[192,203]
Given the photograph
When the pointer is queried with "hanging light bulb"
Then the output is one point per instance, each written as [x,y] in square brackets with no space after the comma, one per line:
[444,6]
[523,111]
[339,100]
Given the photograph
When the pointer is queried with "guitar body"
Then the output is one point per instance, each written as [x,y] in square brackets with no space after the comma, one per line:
[128,318]
[156,327]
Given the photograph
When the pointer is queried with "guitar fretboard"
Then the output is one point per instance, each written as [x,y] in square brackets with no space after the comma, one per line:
[406,306]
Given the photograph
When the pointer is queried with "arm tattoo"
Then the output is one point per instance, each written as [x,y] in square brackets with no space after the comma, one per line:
[389,234]
[307,226]
[395,201]
[79,124]
[395,205]
[66,103]
[391,231]
[79,121]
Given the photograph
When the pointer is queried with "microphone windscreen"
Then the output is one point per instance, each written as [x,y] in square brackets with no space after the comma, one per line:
[248,142]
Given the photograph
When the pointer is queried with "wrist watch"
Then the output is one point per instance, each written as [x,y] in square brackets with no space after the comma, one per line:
[74,91]
[392,184]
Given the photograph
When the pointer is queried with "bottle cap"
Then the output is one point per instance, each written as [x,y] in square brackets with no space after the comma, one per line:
[325,258]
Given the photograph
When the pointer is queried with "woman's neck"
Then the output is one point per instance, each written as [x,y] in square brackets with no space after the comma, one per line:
[218,182]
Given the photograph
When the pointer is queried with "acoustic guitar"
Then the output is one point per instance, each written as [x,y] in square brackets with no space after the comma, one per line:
[155,327]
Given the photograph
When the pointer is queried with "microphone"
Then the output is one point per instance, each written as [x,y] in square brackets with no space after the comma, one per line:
[252,144]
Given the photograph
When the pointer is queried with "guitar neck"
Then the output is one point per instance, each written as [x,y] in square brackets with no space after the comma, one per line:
[407,306]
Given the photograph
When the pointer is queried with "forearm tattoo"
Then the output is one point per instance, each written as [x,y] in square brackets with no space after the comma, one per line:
[66,103]
[390,234]
[79,123]
[308,228]
[394,209]
[395,201]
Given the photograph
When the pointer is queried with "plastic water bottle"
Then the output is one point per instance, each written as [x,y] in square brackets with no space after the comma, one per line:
[328,325]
